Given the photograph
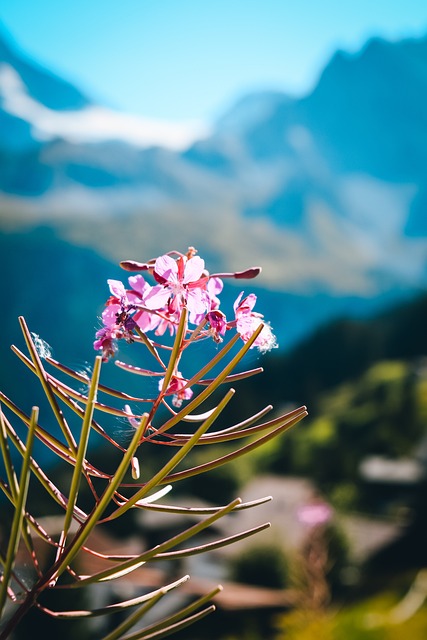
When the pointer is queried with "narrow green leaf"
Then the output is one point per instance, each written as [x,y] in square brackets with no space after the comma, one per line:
[67,398]
[81,454]
[211,546]
[7,460]
[119,606]
[230,433]
[199,511]
[234,377]
[207,466]
[244,423]
[196,332]
[160,548]
[50,441]
[213,362]
[62,390]
[65,393]
[85,380]
[175,460]
[119,573]
[173,628]
[50,487]
[179,615]
[18,517]
[133,619]
[80,538]
[149,499]
[176,350]
[195,402]
[138,370]
[195,417]
[41,374]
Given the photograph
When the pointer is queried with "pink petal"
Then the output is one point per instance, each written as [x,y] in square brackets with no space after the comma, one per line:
[157,297]
[109,315]
[137,283]
[250,301]
[196,301]
[215,286]
[117,288]
[167,268]
[146,321]
[237,301]
[246,305]
[193,269]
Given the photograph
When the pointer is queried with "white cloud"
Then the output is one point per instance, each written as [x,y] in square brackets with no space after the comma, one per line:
[93,123]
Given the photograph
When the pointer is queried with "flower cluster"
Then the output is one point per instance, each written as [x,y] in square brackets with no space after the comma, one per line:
[180,282]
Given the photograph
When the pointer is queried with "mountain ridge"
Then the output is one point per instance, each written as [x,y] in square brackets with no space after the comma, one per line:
[327,190]
[45,86]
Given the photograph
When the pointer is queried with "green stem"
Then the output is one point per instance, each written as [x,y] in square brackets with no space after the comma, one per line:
[18,518]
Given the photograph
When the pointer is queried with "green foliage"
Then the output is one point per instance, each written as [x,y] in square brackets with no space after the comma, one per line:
[261,565]
[370,619]
[381,413]
[342,351]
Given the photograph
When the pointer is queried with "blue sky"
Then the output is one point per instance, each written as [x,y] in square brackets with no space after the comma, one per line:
[184,60]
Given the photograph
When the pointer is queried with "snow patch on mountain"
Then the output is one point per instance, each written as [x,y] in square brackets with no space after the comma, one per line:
[92,123]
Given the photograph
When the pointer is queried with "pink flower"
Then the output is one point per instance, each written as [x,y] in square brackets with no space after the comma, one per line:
[248,321]
[315,514]
[145,320]
[181,284]
[218,324]
[105,341]
[216,319]
[121,315]
[214,288]
[176,387]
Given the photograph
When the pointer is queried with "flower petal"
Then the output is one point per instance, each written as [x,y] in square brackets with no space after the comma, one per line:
[117,288]
[167,268]
[197,303]
[109,315]
[193,269]
[139,284]
[237,301]
[157,297]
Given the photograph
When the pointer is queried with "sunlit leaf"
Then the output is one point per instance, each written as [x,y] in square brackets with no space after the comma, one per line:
[179,615]
[42,376]
[18,517]
[81,455]
[160,548]
[211,546]
[176,459]
[80,538]
[202,468]
[199,511]
[119,606]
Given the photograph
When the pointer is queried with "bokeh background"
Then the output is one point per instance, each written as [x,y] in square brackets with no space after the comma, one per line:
[287,135]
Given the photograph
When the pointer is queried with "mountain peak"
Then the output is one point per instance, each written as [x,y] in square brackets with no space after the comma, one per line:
[44,86]
[250,110]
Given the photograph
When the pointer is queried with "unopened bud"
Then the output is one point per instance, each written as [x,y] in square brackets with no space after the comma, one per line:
[135,468]
[133,265]
[247,274]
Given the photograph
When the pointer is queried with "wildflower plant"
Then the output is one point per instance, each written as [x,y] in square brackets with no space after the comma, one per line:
[163,317]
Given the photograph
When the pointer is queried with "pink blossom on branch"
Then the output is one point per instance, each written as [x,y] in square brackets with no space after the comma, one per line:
[181,284]
[247,322]
[176,388]
[122,314]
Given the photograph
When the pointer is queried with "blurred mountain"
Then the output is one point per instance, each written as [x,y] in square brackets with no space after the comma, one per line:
[328,192]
